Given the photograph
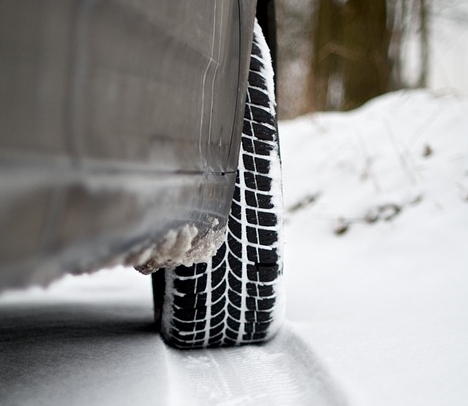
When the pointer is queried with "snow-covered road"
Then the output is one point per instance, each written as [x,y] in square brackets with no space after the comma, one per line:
[85,343]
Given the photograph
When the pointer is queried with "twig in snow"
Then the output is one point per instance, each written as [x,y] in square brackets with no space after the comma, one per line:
[401,154]
[341,226]
[427,151]
[422,129]
[304,202]
[368,162]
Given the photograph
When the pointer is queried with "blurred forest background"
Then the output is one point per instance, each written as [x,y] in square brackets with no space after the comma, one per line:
[338,54]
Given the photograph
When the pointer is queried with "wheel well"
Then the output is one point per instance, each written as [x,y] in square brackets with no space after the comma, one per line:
[266,17]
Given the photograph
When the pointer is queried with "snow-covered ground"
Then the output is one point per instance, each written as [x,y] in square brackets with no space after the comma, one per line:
[376,245]
[89,340]
[377,279]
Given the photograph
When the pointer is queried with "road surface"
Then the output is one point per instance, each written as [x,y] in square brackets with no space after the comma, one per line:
[90,341]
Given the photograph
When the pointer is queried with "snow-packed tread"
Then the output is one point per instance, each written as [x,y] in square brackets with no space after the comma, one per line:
[233,299]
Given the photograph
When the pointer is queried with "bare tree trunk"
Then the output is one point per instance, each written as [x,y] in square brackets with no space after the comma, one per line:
[366,65]
[350,62]
[397,29]
[423,12]
[326,36]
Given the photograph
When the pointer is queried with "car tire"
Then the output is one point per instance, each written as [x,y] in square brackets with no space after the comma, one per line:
[236,298]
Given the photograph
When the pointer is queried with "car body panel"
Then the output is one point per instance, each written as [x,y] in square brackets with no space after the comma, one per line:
[119,120]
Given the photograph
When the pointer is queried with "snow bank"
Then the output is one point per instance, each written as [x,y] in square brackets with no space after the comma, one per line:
[376,260]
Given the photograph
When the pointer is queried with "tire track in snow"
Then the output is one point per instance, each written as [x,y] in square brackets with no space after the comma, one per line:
[282,372]
[89,341]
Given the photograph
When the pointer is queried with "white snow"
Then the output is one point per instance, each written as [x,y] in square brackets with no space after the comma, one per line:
[180,246]
[87,340]
[385,303]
